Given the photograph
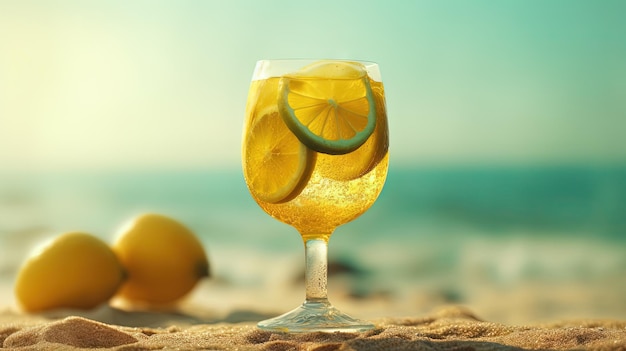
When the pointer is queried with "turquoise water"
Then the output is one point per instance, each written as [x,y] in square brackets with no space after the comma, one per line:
[576,201]
[449,231]
[416,205]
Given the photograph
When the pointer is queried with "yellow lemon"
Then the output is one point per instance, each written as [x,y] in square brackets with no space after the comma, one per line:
[277,165]
[75,270]
[163,259]
[329,106]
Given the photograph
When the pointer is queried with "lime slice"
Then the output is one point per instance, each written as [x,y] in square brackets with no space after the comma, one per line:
[329,106]
[362,160]
[277,165]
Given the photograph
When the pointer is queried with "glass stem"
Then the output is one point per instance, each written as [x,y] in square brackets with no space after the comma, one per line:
[316,270]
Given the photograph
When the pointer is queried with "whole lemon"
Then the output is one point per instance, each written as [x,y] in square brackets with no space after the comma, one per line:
[75,270]
[163,259]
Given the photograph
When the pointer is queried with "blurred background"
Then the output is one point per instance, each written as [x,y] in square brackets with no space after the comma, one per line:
[507,183]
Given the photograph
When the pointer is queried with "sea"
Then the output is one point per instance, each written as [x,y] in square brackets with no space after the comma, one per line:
[547,239]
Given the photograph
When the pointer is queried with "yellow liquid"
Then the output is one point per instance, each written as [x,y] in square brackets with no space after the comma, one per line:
[341,187]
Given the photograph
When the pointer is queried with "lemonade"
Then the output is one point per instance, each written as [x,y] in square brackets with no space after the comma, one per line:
[315,156]
[339,187]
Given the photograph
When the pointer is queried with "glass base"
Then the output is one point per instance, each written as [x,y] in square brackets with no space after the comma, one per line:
[315,316]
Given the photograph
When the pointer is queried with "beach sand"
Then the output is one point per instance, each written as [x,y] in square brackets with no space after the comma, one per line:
[219,315]
[448,328]
[222,315]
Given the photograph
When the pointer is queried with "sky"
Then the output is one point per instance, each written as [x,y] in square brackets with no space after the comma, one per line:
[162,84]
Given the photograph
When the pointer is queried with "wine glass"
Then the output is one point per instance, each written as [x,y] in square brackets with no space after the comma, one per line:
[315,156]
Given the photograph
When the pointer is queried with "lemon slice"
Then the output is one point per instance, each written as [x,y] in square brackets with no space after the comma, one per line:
[329,106]
[332,70]
[277,165]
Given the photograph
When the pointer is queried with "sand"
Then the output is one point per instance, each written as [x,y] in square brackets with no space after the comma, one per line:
[450,328]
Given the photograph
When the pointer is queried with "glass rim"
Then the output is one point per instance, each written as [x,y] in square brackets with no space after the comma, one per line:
[271,68]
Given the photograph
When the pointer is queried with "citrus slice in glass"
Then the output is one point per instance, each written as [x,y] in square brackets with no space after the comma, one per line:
[329,106]
[278,166]
[364,159]
[332,70]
